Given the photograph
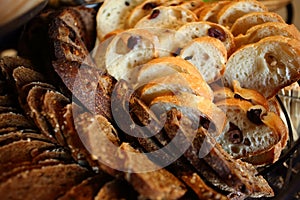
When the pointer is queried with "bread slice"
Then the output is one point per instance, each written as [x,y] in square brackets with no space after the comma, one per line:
[161,67]
[113,15]
[266,66]
[208,54]
[236,9]
[193,30]
[210,11]
[170,17]
[243,23]
[127,50]
[267,29]
[194,107]
[174,83]
[248,130]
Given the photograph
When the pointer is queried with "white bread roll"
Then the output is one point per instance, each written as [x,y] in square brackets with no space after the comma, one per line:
[266,66]
[242,24]
[208,54]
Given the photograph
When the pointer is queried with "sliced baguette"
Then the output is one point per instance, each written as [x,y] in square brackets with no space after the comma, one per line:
[127,50]
[174,83]
[265,66]
[194,30]
[171,17]
[113,14]
[161,67]
[249,130]
[210,11]
[208,54]
[242,24]
[194,107]
[236,9]
[261,31]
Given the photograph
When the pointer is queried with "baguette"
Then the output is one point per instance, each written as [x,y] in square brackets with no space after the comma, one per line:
[248,130]
[174,83]
[171,17]
[193,30]
[209,12]
[113,14]
[267,29]
[265,66]
[236,9]
[242,24]
[209,55]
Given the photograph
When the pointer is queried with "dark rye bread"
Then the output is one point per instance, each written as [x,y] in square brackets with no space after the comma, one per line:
[242,177]
[45,183]
[21,135]
[14,120]
[89,85]
[8,64]
[116,189]
[88,188]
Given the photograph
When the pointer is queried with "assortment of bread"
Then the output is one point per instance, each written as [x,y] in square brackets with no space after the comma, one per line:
[146,99]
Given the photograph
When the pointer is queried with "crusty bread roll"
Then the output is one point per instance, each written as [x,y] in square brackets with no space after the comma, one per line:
[250,130]
[265,66]
[128,49]
[236,9]
[170,17]
[208,54]
[242,24]
[174,83]
[113,14]
[267,29]
[194,30]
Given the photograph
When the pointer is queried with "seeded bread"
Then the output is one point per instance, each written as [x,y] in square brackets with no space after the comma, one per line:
[268,65]
[267,29]
[208,54]
[242,24]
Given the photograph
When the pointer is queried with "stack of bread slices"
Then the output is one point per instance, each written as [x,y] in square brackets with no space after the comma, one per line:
[186,87]
[226,60]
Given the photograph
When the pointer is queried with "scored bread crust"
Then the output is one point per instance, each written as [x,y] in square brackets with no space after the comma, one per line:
[174,83]
[242,138]
[199,29]
[171,17]
[267,29]
[242,24]
[232,11]
[208,54]
[265,66]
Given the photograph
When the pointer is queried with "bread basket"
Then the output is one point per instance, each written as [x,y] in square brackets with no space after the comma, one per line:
[284,175]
